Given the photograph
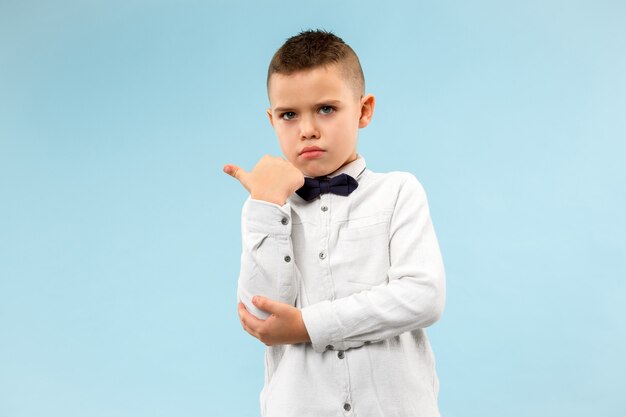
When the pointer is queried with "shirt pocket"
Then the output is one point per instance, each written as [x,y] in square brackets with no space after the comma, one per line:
[364,250]
[362,233]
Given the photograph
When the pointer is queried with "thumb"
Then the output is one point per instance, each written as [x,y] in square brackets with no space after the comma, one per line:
[266,304]
[238,173]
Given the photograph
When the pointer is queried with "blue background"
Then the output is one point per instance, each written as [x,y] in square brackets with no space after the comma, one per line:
[119,234]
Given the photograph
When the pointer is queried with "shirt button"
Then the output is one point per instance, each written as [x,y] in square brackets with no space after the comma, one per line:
[287,258]
[285,221]
[322,255]
[330,347]
[347,407]
[340,354]
[324,208]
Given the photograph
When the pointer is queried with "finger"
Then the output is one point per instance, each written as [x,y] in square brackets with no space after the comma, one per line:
[248,319]
[266,304]
[239,174]
[235,171]
[231,170]
[243,312]
[250,332]
[240,308]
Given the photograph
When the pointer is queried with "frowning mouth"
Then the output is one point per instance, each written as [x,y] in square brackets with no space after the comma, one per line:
[311,149]
[311,152]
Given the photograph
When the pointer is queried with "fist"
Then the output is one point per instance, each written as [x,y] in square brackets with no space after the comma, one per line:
[273,179]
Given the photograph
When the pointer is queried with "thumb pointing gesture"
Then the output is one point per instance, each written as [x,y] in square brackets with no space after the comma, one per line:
[272,179]
[238,173]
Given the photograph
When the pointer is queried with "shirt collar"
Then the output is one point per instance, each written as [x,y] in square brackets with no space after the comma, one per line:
[354,168]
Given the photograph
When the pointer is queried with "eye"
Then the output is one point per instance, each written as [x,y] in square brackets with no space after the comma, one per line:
[288,115]
[326,109]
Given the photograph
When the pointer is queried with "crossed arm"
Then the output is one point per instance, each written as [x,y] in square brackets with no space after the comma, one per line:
[272,180]
[283,326]
[412,298]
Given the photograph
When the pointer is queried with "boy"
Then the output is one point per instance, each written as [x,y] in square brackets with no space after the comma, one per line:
[340,268]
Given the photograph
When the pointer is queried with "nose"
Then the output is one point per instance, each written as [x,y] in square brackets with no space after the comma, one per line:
[308,128]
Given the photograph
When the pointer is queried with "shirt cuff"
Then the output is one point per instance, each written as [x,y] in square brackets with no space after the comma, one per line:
[268,218]
[324,330]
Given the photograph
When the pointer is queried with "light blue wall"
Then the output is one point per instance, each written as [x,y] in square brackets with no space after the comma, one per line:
[119,234]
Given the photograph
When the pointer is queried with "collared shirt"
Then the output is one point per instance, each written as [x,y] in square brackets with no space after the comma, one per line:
[367,274]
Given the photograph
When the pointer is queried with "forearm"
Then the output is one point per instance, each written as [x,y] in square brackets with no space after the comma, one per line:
[379,313]
[267,265]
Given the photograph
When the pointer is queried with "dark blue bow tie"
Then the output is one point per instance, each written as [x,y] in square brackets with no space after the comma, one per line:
[342,184]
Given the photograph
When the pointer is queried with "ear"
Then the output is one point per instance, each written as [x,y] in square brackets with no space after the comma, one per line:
[367,110]
[269,114]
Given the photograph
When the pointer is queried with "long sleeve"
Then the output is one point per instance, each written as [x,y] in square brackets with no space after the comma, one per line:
[368,278]
[268,266]
[412,297]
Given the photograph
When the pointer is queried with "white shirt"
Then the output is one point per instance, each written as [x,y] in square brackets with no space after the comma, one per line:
[367,274]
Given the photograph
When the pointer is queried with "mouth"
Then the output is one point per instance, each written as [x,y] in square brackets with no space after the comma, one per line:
[310,149]
[311,152]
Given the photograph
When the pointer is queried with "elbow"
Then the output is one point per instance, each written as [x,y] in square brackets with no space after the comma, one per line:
[423,309]
[431,306]
[435,311]
[437,297]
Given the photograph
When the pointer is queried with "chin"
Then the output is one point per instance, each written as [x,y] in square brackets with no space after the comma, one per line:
[318,172]
[312,171]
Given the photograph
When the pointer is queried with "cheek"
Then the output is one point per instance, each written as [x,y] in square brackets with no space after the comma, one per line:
[336,124]
[286,131]
[286,141]
[343,126]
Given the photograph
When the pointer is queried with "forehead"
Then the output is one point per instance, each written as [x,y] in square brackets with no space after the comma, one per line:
[316,84]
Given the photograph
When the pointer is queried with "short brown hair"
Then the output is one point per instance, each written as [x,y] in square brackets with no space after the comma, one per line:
[317,48]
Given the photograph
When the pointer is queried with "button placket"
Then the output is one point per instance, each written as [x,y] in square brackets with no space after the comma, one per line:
[327,285]
[324,209]
[285,221]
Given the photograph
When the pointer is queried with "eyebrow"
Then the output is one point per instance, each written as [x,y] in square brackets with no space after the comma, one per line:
[320,103]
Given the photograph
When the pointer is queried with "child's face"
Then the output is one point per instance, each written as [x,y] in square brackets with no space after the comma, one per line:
[317,114]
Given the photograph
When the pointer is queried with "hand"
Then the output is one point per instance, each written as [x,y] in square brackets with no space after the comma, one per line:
[272,179]
[284,327]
